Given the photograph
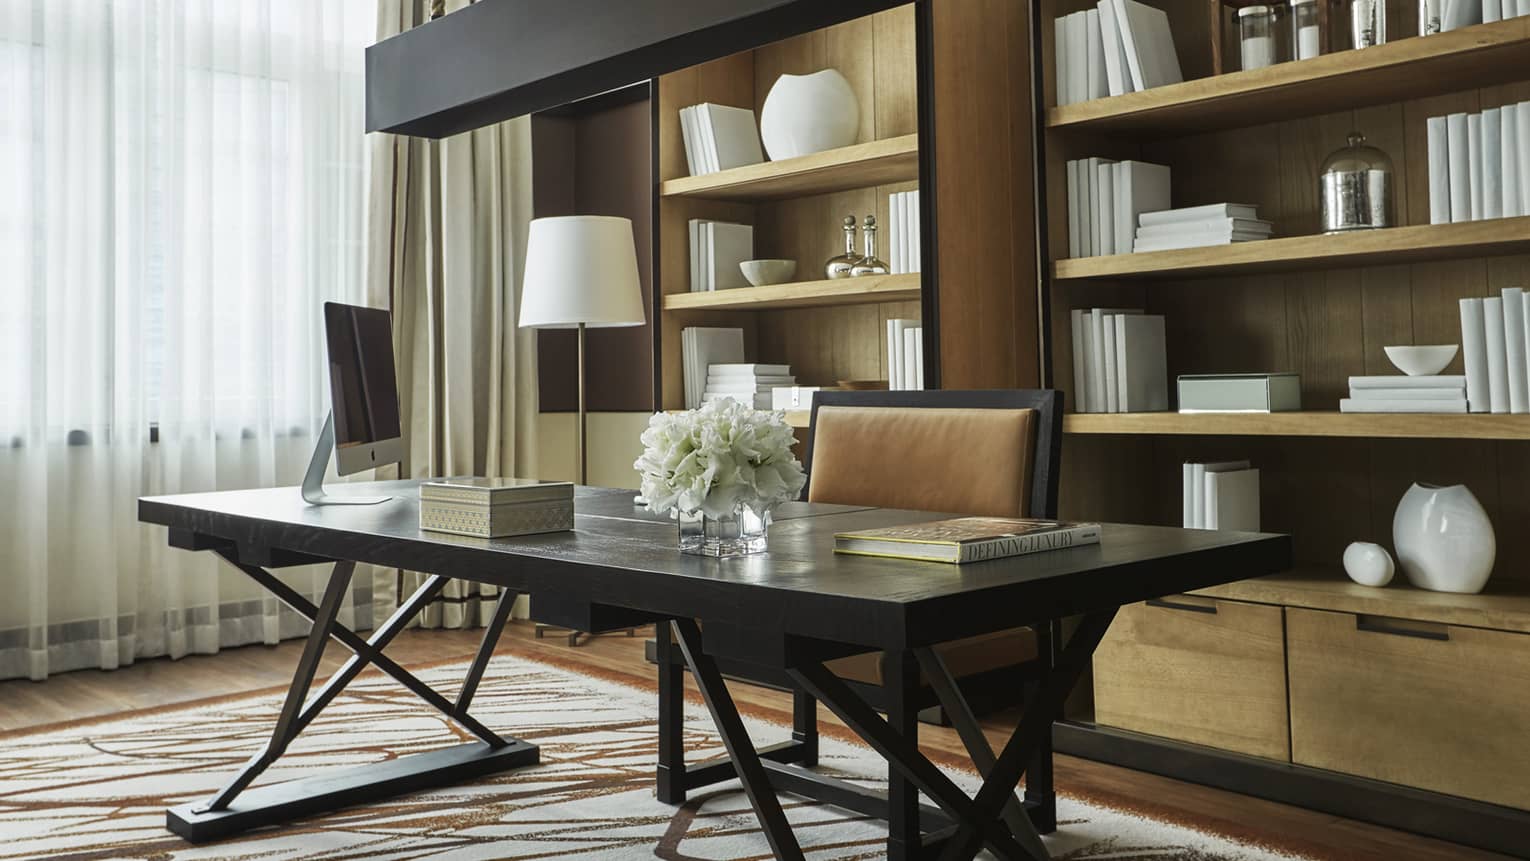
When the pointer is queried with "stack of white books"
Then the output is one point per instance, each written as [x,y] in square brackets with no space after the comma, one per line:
[496,507]
[1221,496]
[701,347]
[749,384]
[1400,394]
[1479,164]
[719,137]
[905,355]
[1197,226]
[1105,199]
[1495,348]
[717,248]
[1455,14]
[903,231]
[1118,47]
[1120,363]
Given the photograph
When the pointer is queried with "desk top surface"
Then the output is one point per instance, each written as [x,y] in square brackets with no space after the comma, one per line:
[621,554]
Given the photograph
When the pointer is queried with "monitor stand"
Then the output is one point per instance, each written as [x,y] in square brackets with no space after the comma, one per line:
[313,480]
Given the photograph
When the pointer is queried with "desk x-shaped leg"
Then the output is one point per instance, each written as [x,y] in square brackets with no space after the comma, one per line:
[220,815]
[994,818]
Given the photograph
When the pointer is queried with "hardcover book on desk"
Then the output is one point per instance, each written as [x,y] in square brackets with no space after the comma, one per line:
[967,539]
[1240,393]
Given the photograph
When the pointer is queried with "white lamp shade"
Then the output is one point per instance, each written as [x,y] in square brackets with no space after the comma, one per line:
[581,269]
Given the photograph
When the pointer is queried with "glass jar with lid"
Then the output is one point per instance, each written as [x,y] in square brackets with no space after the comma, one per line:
[1306,35]
[1256,37]
[1356,188]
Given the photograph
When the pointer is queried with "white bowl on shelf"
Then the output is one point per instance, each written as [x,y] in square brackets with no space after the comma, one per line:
[1422,361]
[763,272]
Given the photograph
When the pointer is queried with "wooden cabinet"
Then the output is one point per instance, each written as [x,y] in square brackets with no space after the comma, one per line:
[1198,670]
[1435,706]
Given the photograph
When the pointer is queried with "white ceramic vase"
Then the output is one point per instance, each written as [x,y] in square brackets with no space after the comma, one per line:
[1444,539]
[1368,564]
[805,114]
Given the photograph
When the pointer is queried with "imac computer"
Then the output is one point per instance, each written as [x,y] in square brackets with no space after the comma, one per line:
[363,425]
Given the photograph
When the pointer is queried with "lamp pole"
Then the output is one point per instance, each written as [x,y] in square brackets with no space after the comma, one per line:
[583,463]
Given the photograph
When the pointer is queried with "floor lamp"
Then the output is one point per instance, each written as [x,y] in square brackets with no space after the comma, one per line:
[581,272]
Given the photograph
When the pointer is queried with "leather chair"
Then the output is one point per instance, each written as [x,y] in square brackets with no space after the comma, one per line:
[988,453]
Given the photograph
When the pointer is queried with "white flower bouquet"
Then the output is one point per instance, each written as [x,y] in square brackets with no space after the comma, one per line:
[712,460]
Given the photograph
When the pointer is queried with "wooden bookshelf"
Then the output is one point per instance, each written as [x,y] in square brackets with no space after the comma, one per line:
[802,294]
[1466,240]
[878,162]
[1305,424]
[1504,605]
[1410,68]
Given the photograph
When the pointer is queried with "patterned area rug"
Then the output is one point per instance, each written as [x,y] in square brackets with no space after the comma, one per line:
[99,789]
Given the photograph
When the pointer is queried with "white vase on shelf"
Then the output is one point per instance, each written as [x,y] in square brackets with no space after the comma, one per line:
[1368,564]
[1443,538]
[804,114]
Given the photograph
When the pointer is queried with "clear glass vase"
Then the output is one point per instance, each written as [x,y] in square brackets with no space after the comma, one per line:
[737,534]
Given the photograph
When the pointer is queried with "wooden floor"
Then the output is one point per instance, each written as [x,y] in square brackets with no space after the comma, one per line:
[158,682]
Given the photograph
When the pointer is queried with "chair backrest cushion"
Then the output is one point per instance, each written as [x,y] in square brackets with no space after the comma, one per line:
[966,461]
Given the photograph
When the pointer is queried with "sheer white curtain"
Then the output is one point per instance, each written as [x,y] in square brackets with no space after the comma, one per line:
[182,185]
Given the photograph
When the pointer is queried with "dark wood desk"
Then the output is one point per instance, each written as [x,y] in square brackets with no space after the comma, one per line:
[793,608]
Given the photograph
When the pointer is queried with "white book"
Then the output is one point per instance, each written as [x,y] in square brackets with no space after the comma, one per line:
[708,282]
[708,140]
[1206,212]
[1060,59]
[1460,167]
[1474,164]
[1492,163]
[1149,44]
[1439,171]
[1497,355]
[748,369]
[894,246]
[1198,481]
[688,135]
[1191,241]
[1090,396]
[1407,394]
[1232,500]
[916,237]
[1112,369]
[1522,120]
[911,356]
[1217,227]
[1492,11]
[1092,244]
[1524,7]
[735,136]
[1080,369]
[1187,479]
[1099,394]
[1142,363]
[708,346]
[694,228]
[910,230]
[730,244]
[1098,83]
[894,342]
[897,370]
[1117,75]
[919,359]
[1075,209]
[1142,187]
[1396,382]
[1514,349]
[1402,405]
[1508,153]
[1078,57]
[1474,355]
[1104,208]
[1524,337]
[1460,13]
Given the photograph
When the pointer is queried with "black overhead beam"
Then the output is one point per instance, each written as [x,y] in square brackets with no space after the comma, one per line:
[498,59]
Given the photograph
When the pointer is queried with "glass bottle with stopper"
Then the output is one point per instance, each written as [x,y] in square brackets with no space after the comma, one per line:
[870,264]
[840,265]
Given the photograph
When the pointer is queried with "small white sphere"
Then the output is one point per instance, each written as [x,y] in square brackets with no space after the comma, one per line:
[1368,564]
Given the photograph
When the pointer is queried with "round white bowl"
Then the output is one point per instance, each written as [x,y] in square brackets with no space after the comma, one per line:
[762,272]
[1422,361]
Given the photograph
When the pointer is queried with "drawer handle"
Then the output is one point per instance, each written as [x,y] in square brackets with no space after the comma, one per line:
[1401,628]
[1166,604]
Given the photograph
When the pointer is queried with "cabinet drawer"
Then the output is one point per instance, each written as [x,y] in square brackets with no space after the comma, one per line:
[1432,706]
[1199,670]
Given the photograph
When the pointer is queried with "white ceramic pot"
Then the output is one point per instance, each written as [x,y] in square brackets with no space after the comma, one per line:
[1444,539]
[1368,564]
[809,113]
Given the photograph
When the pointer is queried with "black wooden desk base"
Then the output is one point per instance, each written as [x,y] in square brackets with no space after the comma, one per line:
[233,809]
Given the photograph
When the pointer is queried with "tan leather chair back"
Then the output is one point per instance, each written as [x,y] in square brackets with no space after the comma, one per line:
[965,461]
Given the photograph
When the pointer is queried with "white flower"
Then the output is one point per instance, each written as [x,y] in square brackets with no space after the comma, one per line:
[718,457]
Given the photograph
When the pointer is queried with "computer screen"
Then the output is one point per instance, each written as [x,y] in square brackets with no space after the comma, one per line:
[363,387]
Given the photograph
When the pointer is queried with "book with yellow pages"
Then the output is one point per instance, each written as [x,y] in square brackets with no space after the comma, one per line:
[967,539]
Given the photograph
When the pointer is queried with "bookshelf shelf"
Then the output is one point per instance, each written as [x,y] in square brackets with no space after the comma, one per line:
[879,162]
[1305,424]
[1471,57]
[1393,245]
[1504,606]
[801,294]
